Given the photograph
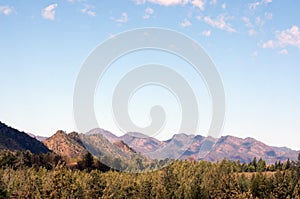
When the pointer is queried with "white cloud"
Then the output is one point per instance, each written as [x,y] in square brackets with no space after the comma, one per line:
[269,44]
[206,33]
[247,22]
[74,1]
[185,23]
[163,2]
[254,5]
[267,1]
[140,1]
[88,9]
[251,32]
[148,13]
[214,2]
[123,18]
[198,3]
[288,37]
[284,52]
[268,15]
[223,6]
[259,21]
[254,54]
[6,10]
[91,13]
[220,22]
[49,12]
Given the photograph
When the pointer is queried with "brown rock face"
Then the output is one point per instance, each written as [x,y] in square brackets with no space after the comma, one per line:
[65,145]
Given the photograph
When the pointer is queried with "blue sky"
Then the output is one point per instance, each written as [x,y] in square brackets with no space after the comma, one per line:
[254,44]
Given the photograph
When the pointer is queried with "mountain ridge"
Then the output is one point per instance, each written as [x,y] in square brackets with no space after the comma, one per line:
[15,140]
[180,146]
[183,146]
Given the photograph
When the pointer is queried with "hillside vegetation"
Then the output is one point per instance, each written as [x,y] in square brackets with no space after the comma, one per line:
[22,178]
[12,139]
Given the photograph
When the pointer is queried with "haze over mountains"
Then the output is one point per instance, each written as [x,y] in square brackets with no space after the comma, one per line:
[182,146]
[104,144]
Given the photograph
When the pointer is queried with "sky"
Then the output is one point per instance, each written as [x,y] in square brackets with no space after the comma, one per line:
[255,46]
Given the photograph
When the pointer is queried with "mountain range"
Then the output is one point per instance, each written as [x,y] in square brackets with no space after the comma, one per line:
[197,147]
[107,146]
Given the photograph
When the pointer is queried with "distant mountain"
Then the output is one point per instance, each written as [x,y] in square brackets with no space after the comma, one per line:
[132,146]
[74,146]
[104,143]
[174,147]
[234,148]
[124,147]
[14,140]
[98,145]
[66,145]
[141,143]
[197,147]
[114,153]
[39,138]
[108,135]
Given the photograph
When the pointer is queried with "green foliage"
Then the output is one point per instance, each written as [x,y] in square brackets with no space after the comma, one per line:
[261,165]
[87,162]
[22,175]
[25,159]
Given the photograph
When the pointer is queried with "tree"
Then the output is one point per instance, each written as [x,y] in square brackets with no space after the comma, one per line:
[100,166]
[139,163]
[117,164]
[87,162]
[3,192]
[281,184]
[287,164]
[261,165]
[259,186]
[298,162]
[254,163]
[7,159]
[296,193]
[278,166]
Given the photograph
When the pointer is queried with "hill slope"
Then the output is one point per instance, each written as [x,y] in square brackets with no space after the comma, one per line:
[234,148]
[103,143]
[66,145]
[75,145]
[14,140]
[182,146]
[38,137]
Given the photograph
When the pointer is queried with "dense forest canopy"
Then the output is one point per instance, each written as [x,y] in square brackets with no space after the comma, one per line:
[27,175]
